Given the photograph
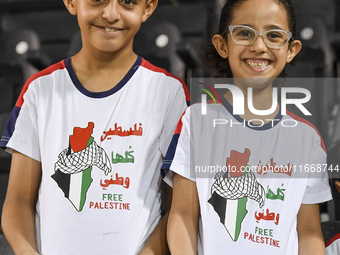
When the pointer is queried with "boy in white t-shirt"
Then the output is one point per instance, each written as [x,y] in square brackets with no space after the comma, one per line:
[88,135]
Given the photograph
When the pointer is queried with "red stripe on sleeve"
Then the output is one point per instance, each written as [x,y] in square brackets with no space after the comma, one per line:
[151,67]
[47,71]
[330,241]
[179,125]
[294,116]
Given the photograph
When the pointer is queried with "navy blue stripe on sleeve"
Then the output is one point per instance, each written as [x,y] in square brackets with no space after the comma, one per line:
[9,129]
[169,155]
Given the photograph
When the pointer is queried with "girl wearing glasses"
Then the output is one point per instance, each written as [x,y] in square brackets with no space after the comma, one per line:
[252,185]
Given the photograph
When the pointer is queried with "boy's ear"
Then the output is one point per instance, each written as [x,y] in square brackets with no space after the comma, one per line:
[150,6]
[293,49]
[220,45]
[71,7]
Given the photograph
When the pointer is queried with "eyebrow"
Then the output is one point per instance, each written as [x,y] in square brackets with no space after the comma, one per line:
[274,27]
[268,27]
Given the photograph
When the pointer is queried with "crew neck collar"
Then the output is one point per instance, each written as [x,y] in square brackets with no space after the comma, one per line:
[103,94]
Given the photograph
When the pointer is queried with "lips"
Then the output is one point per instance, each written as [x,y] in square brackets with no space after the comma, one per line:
[257,63]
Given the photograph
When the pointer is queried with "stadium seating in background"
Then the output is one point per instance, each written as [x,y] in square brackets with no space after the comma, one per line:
[318,56]
[54,26]
[18,47]
[317,61]
[156,42]
[185,27]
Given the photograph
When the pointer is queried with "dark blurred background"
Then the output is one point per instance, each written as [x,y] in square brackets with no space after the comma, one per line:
[37,33]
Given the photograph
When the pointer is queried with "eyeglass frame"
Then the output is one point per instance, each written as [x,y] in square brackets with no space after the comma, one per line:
[257,33]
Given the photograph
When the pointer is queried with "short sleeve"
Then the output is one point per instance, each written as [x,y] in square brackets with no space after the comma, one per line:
[25,137]
[176,104]
[177,159]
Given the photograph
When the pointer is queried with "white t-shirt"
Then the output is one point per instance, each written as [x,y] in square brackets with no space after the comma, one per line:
[250,179]
[100,155]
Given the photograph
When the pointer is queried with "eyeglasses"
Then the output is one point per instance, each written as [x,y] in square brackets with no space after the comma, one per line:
[244,35]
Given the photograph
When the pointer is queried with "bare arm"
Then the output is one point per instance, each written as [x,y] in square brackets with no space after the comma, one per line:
[18,216]
[156,244]
[183,218]
[309,230]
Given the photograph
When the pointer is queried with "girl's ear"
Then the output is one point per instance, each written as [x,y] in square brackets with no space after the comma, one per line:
[71,7]
[293,50]
[220,45]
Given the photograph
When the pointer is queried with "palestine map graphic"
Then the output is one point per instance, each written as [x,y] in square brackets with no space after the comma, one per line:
[230,192]
[74,166]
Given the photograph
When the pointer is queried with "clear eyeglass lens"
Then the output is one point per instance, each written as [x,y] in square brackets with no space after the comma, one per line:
[273,38]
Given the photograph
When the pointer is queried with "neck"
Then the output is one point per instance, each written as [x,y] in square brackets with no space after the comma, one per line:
[100,71]
[93,59]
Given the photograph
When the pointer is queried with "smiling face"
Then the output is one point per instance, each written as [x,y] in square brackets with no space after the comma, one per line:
[257,60]
[110,25]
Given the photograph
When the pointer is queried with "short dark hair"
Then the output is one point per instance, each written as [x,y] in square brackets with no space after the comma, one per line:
[214,62]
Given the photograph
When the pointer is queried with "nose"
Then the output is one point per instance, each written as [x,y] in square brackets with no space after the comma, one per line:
[258,45]
[111,11]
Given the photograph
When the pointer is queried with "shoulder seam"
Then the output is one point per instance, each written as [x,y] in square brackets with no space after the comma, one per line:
[146,64]
[57,66]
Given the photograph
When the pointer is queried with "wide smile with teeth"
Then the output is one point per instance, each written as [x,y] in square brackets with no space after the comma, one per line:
[257,64]
[111,29]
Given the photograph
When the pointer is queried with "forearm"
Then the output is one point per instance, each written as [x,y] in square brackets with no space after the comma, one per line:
[183,218]
[311,243]
[156,244]
[182,234]
[309,230]
[18,215]
[18,224]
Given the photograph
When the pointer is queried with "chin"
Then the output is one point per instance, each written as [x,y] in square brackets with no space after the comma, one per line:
[256,82]
[108,48]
